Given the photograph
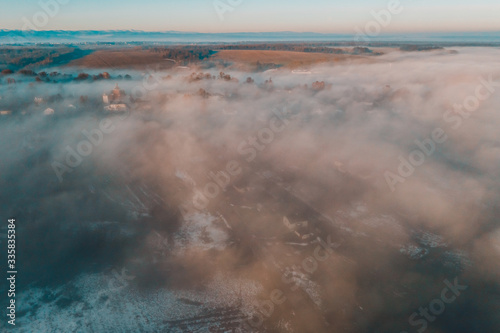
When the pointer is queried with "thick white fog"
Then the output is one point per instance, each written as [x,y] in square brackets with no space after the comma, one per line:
[201,191]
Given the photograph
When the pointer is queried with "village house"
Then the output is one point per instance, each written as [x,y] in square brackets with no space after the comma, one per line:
[114,100]
[48,112]
[115,96]
[116,107]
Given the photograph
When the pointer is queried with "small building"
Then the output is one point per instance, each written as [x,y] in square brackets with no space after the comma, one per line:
[48,112]
[5,113]
[38,100]
[117,93]
[116,108]
[115,96]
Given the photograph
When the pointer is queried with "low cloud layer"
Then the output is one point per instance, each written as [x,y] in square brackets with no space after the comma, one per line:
[338,198]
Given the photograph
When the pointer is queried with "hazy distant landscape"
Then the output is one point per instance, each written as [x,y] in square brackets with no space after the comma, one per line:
[181,37]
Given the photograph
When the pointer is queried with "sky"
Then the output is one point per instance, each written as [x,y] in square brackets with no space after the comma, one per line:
[326,16]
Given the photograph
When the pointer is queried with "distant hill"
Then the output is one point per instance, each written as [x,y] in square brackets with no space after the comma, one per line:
[176,37]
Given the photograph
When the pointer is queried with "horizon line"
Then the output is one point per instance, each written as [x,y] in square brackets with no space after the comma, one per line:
[251,32]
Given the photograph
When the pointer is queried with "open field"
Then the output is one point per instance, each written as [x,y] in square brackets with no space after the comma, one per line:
[134,58]
[284,58]
[243,56]
[122,58]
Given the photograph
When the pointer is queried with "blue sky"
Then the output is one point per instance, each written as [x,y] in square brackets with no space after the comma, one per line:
[332,16]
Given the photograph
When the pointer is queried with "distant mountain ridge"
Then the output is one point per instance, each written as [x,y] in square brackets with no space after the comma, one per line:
[83,36]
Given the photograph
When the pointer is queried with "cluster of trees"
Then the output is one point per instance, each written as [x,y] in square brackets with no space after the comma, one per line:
[262,67]
[362,50]
[224,76]
[420,48]
[201,76]
[184,54]
[16,58]
[58,77]
[63,105]
[208,76]
[27,72]
[282,47]
[318,85]
[203,93]
[297,47]
[100,76]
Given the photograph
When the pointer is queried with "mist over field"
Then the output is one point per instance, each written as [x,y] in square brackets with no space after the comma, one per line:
[338,197]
